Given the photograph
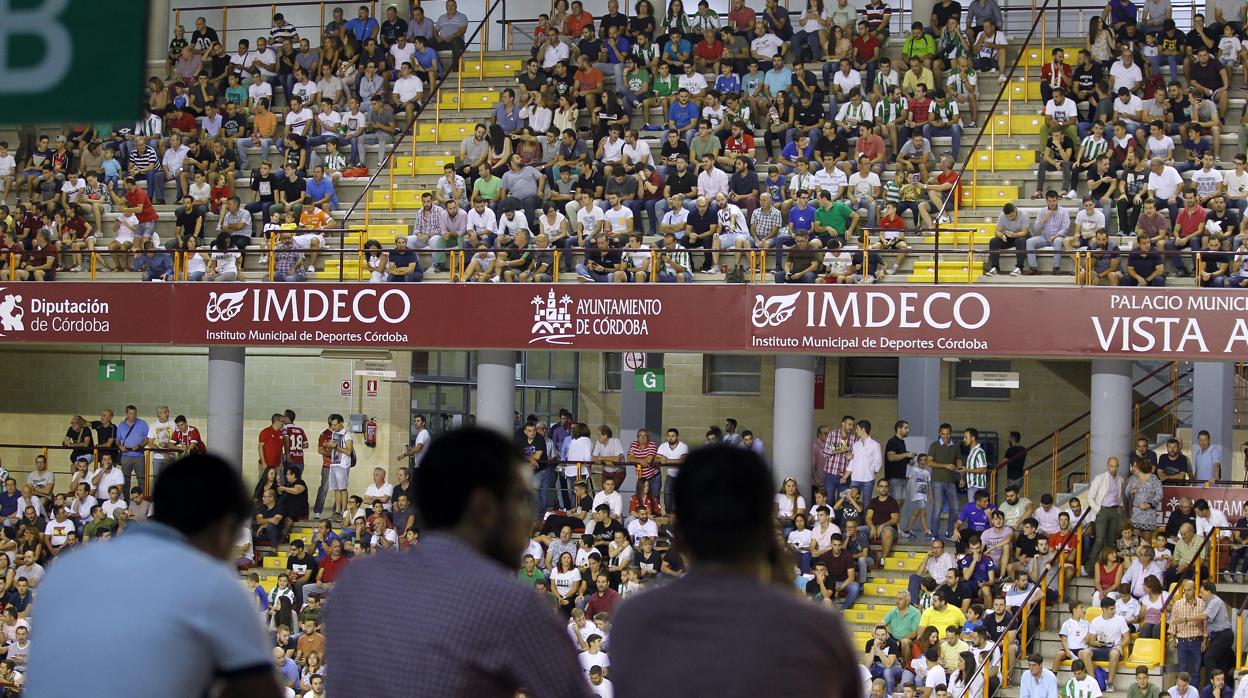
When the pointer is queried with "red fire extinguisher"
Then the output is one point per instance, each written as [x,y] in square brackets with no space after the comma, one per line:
[370,433]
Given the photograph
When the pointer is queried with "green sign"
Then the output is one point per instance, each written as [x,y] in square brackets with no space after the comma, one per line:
[50,68]
[648,380]
[112,371]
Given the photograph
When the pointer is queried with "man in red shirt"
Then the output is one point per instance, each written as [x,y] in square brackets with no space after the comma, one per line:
[1189,228]
[892,236]
[330,567]
[296,441]
[577,20]
[40,263]
[939,188]
[1053,75]
[871,145]
[271,444]
[602,600]
[589,81]
[642,453]
[187,437]
[741,18]
[866,53]
[917,112]
[708,52]
[137,202]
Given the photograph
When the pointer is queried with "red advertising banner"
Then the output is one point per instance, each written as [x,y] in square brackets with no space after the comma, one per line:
[1230,500]
[984,320]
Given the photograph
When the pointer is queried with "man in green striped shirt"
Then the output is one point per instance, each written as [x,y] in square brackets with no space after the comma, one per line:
[976,467]
[1092,147]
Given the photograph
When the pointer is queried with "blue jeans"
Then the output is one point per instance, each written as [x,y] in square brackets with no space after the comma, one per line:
[1190,655]
[833,486]
[669,278]
[891,675]
[865,488]
[1173,62]
[954,131]
[943,492]
[804,39]
[807,278]
[853,589]
[294,276]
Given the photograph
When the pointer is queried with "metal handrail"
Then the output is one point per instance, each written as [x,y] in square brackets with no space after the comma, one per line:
[456,59]
[1019,621]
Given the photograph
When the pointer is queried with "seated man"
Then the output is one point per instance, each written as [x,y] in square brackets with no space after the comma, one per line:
[675,261]
[1048,233]
[402,263]
[1144,265]
[801,262]
[602,264]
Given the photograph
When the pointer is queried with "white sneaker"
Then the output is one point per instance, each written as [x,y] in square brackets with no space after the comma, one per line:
[1072,195]
[1017,272]
[943,219]
[992,271]
[891,270]
[311,268]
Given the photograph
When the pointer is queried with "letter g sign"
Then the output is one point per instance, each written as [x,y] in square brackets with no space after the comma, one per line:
[42,21]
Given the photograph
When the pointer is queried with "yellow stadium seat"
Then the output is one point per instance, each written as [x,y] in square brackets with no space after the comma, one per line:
[1090,614]
[277,561]
[985,195]
[403,198]
[903,563]
[1004,159]
[952,271]
[421,164]
[1017,124]
[469,99]
[493,67]
[865,615]
[1033,58]
[455,132]
[1024,90]
[1145,652]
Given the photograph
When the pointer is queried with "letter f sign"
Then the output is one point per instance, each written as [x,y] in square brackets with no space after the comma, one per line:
[42,22]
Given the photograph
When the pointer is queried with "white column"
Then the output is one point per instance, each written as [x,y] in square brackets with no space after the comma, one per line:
[160,30]
[918,400]
[793,417]
[1213,383]
[1111,410]
[496,390]
[227,368]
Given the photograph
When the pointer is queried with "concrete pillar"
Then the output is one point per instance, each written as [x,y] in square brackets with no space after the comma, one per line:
[160,30]
[227,368]
[1111,410]
[918,401]
[1213,385]
[641,410]
[496,390]
[793,425]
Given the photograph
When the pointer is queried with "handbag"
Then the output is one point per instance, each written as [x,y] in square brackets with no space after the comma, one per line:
[355,172]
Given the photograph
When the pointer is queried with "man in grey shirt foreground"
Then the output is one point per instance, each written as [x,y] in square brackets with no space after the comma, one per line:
[732,626]
[1011,232]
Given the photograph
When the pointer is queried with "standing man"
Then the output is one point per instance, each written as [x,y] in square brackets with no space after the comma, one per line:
[866,462]
[132,437]
[1218,648]
[1187,629]
[420,442]
[838,449]
[296,441]
[325,447]
[944,459]
[724,494]
[341,458]
[271,445]
[896,459]
[1206,460]
[1104,499]
[976,470]
[673,451]
[473,491]
[198,619]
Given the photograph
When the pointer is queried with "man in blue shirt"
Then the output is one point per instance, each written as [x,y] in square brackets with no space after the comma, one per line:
[363,27]
[779,78]
[132,436]
[683,114]
[1206,459]
[320,189]
[197,618]
[975,518]
[1037,681]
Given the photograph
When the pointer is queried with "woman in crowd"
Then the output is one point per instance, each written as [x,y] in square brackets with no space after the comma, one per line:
[1108,571]
[566,581]
[1143,493]
[788,504]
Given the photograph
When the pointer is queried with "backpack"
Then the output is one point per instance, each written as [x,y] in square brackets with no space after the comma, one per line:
[353,458]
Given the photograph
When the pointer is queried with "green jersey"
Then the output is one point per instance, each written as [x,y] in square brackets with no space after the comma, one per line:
[638,81]
[665,87]
[487,190]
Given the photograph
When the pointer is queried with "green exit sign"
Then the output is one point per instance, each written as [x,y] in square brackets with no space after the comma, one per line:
[112,371]
[648,380]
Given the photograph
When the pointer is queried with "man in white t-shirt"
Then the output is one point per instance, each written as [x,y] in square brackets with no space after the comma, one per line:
[407,90]
[420,442]
[1164,183]
[8,170]
[553,50]
[1236,180]
[105,476]
[673,450]
[1073,635]
[1125,73]
[611,498]
[1105,635]
[159,435]
[379,490]
[642,526]
[298,119]
[619,217]
[1129,108]
[590,218]
[340,461]
[1061,114]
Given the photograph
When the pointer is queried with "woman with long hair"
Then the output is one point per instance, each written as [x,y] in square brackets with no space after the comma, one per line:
[779,121]
[268,481]
[642,21]
[312,666]
[966,681]
[580,457]
[799,541]
[1151,603]
[1108,571]
[1143,494]
[566,583]
[498,156]
[675,20]
[375,258]
[1101,42]
[789,503]
[643,497]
